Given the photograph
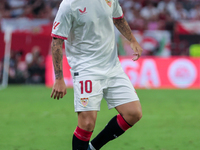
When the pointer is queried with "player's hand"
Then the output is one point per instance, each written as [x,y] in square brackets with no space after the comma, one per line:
[59,89]
[137,50]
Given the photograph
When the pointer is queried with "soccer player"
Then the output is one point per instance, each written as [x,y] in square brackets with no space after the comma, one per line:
[87,27]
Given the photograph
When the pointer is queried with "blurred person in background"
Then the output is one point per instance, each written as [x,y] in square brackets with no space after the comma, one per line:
[128,8]
[38,8]
[43,9]
[195,12]
[149,12]
[12,67]
[131,4]
[164,18]
[5,9]
[54,5]
[17,7]
[131,9]
[29,8]
[35,66]
[138,23]
[21,68]
[167,5]
[179,13]
[17,72]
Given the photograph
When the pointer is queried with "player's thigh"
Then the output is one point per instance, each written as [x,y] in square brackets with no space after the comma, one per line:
[120,91]
[87,119]
[87,95]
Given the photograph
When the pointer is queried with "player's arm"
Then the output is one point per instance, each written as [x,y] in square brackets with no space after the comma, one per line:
[122,25]
[59,87]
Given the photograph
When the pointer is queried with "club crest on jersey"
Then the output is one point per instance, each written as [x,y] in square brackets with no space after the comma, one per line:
[109,2]
[82,11]
[84,101]
[55,25]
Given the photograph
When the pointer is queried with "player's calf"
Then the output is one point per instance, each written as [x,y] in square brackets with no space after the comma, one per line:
[82,134]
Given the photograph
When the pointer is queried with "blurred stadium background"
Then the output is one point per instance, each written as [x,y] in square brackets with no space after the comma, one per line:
[167,77]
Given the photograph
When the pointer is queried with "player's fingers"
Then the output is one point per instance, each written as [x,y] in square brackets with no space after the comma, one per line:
[139,49]
[61,95]
[52,93]
[65,92]
[135,57]
[58,96]
[55,94]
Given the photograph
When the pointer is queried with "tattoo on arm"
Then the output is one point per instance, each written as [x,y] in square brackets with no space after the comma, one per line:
[57,54]
[124,28]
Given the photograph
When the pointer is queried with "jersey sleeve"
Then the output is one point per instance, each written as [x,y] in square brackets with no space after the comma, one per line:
[117,10]
[63,21]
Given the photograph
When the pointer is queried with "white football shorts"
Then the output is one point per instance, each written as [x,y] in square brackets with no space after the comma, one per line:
[116,91]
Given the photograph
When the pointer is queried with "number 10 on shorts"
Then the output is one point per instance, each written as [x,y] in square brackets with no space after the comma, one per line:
[86,86]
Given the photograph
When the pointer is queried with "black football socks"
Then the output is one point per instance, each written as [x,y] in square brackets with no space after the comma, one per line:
[81,139]
[116,127]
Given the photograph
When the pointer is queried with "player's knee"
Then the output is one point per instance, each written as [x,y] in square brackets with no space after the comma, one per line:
[86,120]
[88,125]
[139,115]
[135,115]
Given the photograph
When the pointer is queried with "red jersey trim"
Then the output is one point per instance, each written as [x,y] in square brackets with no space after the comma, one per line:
[58,36]
[119,17]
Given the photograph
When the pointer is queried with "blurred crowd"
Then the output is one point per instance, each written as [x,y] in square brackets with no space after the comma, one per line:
[140,14]
[30,71]
[29,8]
[157,14]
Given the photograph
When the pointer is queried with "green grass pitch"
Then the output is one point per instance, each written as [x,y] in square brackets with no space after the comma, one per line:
[30,120]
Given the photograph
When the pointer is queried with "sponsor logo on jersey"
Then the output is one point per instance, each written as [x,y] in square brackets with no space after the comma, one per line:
[55,25]
[84,101]
[83,11]
[109,2]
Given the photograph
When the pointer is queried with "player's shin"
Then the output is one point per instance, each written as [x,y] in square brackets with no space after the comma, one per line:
[81,139]
[116,127]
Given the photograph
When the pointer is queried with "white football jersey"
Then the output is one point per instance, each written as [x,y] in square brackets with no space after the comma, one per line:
[88,30]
